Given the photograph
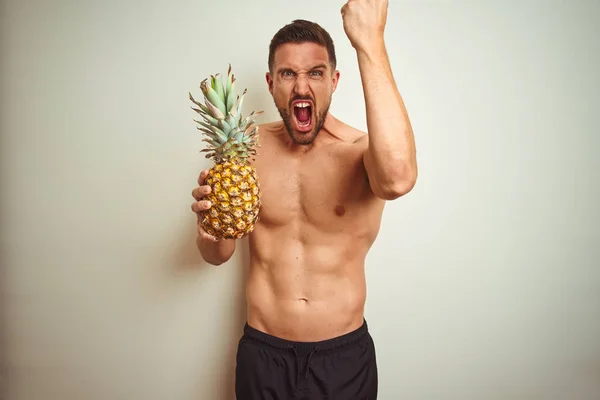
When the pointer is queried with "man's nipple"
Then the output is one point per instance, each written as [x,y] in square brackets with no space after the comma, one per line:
[340,210]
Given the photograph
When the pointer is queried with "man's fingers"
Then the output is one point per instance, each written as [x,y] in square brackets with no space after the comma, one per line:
[206,236]
[201,191]
[202,234]
[202,177]
[347,5]
[200,206]
[197,194]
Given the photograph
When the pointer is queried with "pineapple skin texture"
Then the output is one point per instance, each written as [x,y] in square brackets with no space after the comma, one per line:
[235,200]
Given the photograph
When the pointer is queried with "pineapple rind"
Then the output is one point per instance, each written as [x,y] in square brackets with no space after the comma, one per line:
[232,216]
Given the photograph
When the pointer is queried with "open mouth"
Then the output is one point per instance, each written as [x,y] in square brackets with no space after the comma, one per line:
[303,115]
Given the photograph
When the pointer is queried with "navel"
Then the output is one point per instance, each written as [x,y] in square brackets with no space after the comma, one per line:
[340,210]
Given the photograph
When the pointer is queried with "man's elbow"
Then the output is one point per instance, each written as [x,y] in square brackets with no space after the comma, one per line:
[398,185]
[396,190]
[212,255]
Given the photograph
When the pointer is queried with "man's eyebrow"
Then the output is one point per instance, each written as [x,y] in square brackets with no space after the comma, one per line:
[324,66]
[284,69]
[288,69]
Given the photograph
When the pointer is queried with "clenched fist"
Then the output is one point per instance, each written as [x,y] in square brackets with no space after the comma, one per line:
[364,22]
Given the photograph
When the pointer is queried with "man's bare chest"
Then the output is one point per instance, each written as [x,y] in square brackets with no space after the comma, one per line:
[324,189]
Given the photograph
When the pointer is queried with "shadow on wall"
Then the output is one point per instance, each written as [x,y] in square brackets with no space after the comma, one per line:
[227,389]
[3,325]
[188,261]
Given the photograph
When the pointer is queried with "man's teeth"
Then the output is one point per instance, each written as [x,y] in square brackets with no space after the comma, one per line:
[302,105]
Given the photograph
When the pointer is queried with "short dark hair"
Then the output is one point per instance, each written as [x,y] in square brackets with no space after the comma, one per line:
[302,31]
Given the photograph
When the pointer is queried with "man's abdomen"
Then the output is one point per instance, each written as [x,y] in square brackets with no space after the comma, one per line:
[303,302]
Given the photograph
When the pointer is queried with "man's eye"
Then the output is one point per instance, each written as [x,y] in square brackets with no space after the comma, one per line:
[287,73]
[316,73]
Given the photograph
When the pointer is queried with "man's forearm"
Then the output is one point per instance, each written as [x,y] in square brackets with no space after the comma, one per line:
[390,159]
[215,253]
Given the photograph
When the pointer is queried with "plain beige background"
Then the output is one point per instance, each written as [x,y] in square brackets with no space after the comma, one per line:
[483,284]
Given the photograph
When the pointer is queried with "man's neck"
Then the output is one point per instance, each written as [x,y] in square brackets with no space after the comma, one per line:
[326,135]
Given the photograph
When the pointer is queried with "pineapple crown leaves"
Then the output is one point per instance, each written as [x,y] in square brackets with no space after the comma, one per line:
[228,134]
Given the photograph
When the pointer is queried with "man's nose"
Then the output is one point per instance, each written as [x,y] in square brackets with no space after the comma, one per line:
[302,87]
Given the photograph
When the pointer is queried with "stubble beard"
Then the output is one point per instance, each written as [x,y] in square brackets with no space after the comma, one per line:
[304,138]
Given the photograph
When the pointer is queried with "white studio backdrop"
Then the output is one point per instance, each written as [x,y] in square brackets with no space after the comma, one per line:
[483,284]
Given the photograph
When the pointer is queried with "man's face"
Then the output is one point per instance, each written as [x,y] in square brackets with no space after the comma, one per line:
[302,83]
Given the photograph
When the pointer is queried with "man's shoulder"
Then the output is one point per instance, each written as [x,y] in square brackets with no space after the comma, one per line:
[346,132]
[354,135]
[269,127]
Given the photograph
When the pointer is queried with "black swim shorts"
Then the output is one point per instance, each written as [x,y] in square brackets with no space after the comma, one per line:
[271,368]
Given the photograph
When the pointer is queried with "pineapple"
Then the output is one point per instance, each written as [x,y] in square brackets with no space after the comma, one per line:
[232,143]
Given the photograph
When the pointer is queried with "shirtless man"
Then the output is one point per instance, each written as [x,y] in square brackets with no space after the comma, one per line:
[324,185]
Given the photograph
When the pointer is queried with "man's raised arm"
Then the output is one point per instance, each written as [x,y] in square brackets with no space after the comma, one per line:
[390,158]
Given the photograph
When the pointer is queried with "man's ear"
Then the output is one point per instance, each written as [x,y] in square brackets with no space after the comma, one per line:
[335,78]
[269,82]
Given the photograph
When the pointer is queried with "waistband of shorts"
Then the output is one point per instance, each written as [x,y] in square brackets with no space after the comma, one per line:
[323,345]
